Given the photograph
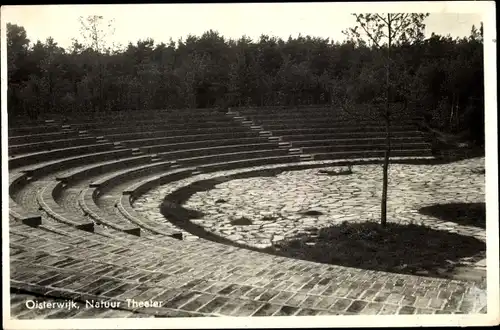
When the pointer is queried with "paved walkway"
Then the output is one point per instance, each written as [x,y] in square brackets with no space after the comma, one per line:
[203,279]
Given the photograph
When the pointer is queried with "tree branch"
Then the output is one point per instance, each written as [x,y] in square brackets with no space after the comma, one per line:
[402,21]
[383,19]
[367,32]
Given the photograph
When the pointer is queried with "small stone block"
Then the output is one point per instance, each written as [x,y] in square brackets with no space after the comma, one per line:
[179,236]
[134,231]
[89,227]
[32,220]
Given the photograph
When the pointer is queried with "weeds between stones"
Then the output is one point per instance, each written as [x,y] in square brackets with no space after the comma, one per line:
[346,171]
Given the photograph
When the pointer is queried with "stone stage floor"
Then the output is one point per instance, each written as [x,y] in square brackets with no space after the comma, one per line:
[275,205]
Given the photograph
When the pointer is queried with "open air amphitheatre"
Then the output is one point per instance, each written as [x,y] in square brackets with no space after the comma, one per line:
[203,212]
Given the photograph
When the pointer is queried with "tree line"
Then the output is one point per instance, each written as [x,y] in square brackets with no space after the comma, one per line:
[439,77]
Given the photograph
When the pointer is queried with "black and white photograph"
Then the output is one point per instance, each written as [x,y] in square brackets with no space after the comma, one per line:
[282,164]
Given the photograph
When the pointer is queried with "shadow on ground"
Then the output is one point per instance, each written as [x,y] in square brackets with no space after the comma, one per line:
[466,214]
[408,249]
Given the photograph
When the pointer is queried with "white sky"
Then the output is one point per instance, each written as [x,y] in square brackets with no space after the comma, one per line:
[164,21]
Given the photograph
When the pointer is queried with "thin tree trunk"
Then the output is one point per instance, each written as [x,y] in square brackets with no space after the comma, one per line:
[385,179]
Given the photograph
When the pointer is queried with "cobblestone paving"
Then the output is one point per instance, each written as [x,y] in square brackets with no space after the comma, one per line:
[204,278]
[276,205]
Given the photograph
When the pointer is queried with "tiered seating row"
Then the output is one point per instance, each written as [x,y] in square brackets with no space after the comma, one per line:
[108,120]
[88,201]
[46,200]
[322,134]
[57,154]
[17,211]
[52,144]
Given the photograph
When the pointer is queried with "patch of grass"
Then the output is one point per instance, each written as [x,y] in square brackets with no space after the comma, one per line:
[242,221]
[408,249]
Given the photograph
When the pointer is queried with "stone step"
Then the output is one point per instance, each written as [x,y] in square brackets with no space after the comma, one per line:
[256,127]
[265,133]
[174,164]
[480,264]
[66,127]
[284,144]
[274,138]
[247,122]
[306,158]
[239,118]
[155,158]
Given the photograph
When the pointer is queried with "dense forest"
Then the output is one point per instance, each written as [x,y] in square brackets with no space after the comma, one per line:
[440,77]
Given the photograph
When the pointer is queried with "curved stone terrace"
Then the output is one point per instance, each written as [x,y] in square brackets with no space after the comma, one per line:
[233,203]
